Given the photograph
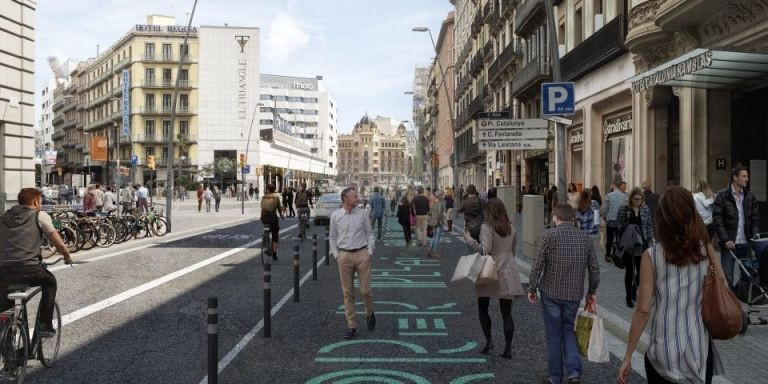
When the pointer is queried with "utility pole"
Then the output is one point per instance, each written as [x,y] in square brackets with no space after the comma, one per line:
[183,55]
[559,128]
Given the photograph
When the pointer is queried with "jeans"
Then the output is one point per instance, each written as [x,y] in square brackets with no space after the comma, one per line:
[218,204]
[562,350]
[374,221]
[435,237]
[741,251]
[35,276]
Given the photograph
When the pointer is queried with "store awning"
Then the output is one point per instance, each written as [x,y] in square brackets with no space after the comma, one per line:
[706,68]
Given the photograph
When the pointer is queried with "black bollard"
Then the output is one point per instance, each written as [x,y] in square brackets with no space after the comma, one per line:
[296,273]
[268,299]
[327,248]
[314,256]
[213,340]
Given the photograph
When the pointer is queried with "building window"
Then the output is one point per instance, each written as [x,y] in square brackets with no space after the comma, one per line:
[149,76]
[184,102]
[150,151]
[149,129]
[149,51]
[167,77]
[166,129]
[184,75]
[184,128]
[165,154]
[167,51]
[149,101]
[184,51]
[167,101]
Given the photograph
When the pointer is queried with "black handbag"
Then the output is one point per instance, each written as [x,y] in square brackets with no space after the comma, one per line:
[616,258]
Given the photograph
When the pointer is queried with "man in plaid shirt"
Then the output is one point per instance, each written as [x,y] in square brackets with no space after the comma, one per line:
[565,256]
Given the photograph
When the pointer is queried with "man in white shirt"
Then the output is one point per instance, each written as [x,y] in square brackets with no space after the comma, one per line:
[143,195]
[352,243]
[109,200]
[98,196]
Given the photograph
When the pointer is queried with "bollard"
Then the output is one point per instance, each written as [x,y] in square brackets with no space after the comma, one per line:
[296,273]
[314,256]
[267,300]
[213,340]
[327,248]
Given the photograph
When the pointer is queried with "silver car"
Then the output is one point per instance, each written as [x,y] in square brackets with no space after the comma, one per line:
[325,206]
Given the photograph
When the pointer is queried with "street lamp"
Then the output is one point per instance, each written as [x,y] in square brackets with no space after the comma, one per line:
[242,168]
[450,102]
[87,159]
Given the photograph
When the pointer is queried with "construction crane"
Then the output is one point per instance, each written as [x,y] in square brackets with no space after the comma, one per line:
[53,62]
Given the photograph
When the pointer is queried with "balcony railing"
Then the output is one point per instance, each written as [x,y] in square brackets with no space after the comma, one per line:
[508,56]
[528,15]
[536,69]
[476,65]
[476,105]
[165,109]
[488,11]
[161,138]
[58,118]
[603,46]
[58,135]
[477,23]
[463,84]
[488,50]
[164,83]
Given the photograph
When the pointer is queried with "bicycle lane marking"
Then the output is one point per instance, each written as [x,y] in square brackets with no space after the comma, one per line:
[106,303]
[422,327]
[181,236]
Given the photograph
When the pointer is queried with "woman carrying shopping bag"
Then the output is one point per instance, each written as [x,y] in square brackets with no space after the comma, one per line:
[672,278]
[498,239]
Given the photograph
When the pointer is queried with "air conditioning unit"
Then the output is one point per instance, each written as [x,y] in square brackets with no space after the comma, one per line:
[561,49]
[598,21]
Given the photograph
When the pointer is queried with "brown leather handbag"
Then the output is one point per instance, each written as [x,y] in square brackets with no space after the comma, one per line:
[720,309]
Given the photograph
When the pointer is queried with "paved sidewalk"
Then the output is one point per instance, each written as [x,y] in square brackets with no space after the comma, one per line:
[427,330]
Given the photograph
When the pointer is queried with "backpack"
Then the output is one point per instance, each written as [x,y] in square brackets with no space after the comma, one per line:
[301,198]
[268,204]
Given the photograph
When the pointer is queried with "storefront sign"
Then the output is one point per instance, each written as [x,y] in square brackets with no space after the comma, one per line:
[577,136]
[126,102]
[617,125]
[673,72]
[720,164]
[50,157]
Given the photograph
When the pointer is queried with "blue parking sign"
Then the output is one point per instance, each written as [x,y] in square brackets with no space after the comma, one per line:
[557,99]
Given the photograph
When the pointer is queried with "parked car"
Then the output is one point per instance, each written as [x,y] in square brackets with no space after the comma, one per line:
[326,205]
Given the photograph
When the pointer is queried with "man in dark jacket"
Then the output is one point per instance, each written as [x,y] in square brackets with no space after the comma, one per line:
[472,208]
[421,209]
[651,200]
[737,219]
[21,234]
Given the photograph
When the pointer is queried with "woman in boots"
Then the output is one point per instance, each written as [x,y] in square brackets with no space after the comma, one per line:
[498,239]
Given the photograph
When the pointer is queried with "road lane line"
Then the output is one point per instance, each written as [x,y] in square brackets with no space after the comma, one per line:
[106,303]
[187,234]
[232,354]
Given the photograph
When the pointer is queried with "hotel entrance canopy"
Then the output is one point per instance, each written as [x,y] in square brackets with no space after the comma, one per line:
[706,68]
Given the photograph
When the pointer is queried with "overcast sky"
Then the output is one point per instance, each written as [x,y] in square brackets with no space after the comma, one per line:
[364,49]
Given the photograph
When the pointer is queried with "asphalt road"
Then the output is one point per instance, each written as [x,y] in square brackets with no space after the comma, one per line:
[140,317]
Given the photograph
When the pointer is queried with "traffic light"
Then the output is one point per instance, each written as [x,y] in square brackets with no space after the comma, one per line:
[242,160]
[151,162]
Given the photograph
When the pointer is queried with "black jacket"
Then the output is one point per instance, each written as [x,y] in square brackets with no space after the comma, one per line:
[725,215]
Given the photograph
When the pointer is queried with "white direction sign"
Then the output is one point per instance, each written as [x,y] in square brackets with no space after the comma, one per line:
[506,145]
[505,134]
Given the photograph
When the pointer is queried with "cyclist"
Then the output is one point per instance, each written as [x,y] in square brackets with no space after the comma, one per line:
[270,209]
[303,201]
[21,234]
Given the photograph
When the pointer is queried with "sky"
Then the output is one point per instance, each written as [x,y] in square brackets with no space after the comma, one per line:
[364,49]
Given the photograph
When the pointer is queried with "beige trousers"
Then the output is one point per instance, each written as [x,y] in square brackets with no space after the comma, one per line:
[421,228]
[349,263]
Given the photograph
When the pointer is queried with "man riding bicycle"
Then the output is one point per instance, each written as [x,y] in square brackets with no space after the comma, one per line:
[304,201]
[21,235]
[270,208]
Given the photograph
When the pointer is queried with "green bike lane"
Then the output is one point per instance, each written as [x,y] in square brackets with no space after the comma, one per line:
[427,330]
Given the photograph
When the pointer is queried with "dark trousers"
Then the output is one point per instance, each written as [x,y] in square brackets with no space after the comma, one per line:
[143,204]
[610,237]
[218,203]
[34,276]
[290,209]
[407,231]
[506,316]
[631,274]
[374,221]
[654,377]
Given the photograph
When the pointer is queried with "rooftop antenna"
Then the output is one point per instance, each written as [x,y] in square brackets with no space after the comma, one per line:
[97,50]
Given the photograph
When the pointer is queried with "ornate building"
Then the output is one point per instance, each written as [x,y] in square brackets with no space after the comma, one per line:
[369,157]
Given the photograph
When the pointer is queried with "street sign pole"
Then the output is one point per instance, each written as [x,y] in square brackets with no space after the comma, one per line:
[554,54]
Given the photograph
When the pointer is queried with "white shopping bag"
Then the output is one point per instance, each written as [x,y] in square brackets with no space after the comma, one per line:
[488,272]
[597,352]
[467,269]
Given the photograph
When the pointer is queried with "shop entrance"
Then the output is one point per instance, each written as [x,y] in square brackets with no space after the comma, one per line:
[749,138]
[539,171]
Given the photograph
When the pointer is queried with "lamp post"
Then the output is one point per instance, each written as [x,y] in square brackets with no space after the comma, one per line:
[117,147]
[450,103]
[242,169]
[87,159]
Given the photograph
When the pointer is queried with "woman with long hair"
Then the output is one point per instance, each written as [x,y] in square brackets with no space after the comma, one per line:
[573,196]
[585,214]
[671,284]
[498,239]
[596,195]
[450,211]
[704,198]
[635,236]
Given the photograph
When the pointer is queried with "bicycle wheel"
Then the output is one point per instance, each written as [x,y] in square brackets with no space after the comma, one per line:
[159,227]
[90,234]
[48,348]
[46,248]
[14,347]
[142,228]
[106,235]
[121,231]
[69,237]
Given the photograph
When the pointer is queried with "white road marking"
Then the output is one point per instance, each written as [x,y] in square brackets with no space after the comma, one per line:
[106,303]
[232,354]
[189,233]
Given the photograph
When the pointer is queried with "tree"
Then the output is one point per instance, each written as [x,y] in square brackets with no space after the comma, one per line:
[224,165]
[207,170]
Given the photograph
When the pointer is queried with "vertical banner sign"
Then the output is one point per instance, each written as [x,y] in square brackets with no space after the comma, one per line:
[126,102]
[50,157]
[99,148]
